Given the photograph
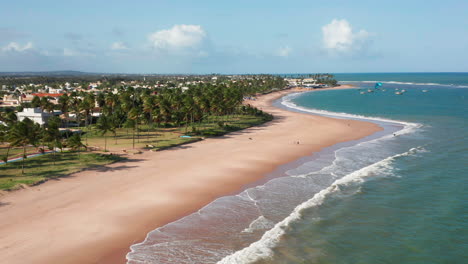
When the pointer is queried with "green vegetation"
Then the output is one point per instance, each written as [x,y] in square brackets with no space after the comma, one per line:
[162,138]
[130,118]
[325,78]
[51,166]
[42,168]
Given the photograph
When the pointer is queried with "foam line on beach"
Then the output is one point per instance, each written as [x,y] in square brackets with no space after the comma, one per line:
[408,127]
[263,248]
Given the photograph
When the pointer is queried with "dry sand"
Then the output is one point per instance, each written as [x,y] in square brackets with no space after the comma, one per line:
[94,216]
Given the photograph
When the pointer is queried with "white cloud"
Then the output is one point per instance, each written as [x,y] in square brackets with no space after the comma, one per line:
[13,46]
[284,51]
[179,37]
[338,37]
[118,46]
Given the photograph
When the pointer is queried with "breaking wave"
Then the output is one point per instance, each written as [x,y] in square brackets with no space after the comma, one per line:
[262,248]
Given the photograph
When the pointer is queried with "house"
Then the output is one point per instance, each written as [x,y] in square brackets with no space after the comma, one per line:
[35,114]
[309,83]
[26,98]
[10,100]
[294,82]
[53,97]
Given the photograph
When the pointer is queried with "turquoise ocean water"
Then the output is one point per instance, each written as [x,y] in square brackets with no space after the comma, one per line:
[398,196]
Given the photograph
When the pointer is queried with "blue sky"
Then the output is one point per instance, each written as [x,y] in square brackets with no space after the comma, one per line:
[256,36]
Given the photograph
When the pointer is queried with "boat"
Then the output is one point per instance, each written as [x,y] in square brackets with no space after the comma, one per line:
[424,91]
[370,91]
[398,93]
[362,92]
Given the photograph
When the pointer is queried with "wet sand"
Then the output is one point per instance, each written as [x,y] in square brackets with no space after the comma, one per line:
[94,216]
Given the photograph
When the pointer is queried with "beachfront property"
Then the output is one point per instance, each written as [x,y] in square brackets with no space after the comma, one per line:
[305,83]
[309,83]
[35,114]
[294,82]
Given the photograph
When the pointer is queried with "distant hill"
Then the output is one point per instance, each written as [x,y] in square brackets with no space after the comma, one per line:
[50,73]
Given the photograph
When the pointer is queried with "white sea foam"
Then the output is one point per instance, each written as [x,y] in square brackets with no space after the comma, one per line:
[407,126]
[262,248]
[260,223]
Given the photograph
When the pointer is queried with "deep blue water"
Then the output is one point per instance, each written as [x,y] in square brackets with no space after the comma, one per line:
[410,209]
[444,78]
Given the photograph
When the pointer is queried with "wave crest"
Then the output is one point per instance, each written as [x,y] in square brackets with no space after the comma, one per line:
[263,248]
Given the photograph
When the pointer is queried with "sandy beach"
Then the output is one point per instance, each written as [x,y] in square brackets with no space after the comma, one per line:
[95,215]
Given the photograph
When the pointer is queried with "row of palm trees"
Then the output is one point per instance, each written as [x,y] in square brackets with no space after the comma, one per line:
[132,107]
[27,133]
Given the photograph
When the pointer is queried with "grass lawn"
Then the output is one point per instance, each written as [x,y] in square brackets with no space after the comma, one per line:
[16,152]
[161,138]
[42,168]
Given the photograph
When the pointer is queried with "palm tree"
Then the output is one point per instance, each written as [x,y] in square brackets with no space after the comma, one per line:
[5,137]
[64,104]
[36,101]
[24,133]
[104,125]
[52,135]
[75,143]
[134,116]
[86,106]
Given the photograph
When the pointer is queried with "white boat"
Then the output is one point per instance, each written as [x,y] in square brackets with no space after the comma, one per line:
[362,92]
[398,93]
[424,91]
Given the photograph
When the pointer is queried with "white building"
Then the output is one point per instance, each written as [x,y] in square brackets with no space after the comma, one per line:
[309,82]
[35,114]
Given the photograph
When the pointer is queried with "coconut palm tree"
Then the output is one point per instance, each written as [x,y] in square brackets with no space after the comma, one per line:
[24,133]
[51,135]
[104,125]
[74,142]
[5,137]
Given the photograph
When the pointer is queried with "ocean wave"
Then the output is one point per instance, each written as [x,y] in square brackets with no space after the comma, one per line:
[263,248]
[409,83]
[258,224]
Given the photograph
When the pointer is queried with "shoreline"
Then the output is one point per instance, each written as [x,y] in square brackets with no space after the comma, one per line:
[94,216]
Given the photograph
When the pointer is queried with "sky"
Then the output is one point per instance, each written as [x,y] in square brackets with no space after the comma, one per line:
[241,36]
